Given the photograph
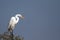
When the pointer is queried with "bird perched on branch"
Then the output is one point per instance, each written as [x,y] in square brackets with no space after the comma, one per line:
[13,21]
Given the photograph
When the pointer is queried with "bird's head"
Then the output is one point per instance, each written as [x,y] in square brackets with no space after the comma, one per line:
[20,16]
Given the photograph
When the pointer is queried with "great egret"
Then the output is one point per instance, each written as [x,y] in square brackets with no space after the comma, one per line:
[13,22]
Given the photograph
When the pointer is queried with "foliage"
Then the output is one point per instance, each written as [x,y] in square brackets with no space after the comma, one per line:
[8,36]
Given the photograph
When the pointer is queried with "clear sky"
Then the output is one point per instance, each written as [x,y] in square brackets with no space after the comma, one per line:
[41,22]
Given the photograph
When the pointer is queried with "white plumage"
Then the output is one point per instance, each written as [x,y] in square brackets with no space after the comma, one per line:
[13,22]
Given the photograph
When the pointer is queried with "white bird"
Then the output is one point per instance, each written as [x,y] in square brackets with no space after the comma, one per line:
[13,22]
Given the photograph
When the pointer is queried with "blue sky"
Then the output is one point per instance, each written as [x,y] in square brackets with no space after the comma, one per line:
[41,22]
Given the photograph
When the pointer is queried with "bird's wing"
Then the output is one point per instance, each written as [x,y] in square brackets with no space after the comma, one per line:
[11,21]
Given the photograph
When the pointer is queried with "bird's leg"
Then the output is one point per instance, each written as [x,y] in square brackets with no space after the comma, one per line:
[11,35]
[10,32]
[10,29]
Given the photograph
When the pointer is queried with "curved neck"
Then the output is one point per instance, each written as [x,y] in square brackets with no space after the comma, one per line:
[17,19]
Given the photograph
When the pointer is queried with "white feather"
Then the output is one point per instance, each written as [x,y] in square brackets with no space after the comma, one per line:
[13,22]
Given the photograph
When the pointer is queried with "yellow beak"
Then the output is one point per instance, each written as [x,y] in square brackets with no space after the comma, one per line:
[22,17]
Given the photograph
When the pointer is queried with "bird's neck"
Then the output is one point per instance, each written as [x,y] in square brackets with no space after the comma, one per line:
[17,19]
